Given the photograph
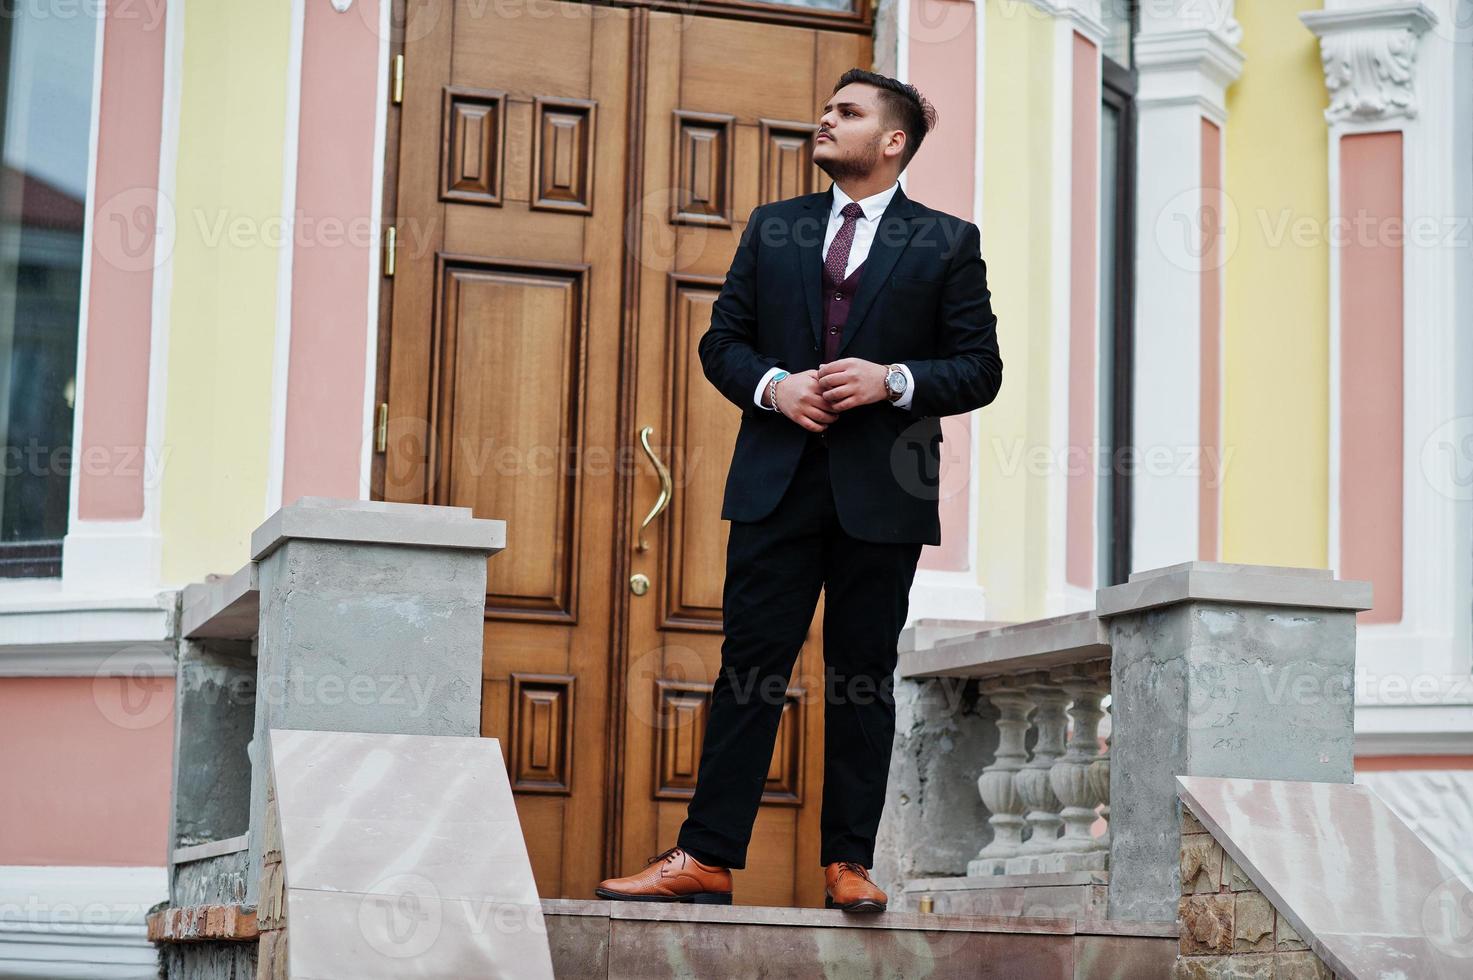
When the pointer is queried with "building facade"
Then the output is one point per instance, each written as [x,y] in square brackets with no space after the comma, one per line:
[460,253]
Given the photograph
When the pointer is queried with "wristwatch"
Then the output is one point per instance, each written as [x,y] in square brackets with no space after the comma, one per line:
[895,382]
[772,390]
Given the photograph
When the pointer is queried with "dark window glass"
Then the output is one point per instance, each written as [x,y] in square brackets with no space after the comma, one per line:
[45,120]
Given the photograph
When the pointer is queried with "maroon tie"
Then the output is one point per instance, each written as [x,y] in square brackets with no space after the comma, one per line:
[838,258]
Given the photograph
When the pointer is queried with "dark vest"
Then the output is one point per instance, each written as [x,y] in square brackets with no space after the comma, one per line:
[837,299]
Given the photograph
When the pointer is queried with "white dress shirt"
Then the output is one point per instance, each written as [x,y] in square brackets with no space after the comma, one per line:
[864,235]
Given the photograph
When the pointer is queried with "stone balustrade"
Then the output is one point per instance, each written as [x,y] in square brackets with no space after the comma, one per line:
[1043,789]
[1203,668]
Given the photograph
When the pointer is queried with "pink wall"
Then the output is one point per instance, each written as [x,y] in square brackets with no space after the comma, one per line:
[943,65]
[1084,190]
[85,770]
[330,308]
[1381,763]
[114,430]
[1210,409]
[1371,387]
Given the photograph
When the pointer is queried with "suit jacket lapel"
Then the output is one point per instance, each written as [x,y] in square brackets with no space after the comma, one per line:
[810,255]
[891,237]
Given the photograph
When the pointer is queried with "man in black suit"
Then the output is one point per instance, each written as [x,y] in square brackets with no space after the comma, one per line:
[849,323]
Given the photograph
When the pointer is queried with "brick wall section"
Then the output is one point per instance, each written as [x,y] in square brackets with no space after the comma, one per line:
[271,962]
[1228,928]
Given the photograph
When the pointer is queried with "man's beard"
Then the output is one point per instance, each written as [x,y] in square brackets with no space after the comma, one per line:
[857,165]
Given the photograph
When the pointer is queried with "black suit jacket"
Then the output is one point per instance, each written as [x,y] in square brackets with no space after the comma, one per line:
[922,300]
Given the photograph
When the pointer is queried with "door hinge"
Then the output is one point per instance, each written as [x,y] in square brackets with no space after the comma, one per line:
[381,429]
[391,247]
[398,90]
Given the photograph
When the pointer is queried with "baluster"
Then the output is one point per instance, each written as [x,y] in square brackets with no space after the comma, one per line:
[1033,780]
[1099,770]
[1076,850]
[996,784]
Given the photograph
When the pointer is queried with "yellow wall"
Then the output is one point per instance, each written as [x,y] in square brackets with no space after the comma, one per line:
[223,303]
[1276,337]
[1017,210]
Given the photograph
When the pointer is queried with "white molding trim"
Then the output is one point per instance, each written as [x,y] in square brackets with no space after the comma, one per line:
[1081,15]
[1187,67]
[99,556]
[1434,636]
[84,303]
[946,595]
[902,45]
[375,279]
[1414,729]
[51,633]
[87,923]
[1057,592]
[281,352]
[1186,57]
[1369,54]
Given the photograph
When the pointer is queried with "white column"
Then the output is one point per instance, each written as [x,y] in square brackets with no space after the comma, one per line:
[1186,56]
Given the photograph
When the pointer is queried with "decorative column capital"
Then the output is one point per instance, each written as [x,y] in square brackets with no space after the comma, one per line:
[1084,15]
[1189,54]
[1370,57]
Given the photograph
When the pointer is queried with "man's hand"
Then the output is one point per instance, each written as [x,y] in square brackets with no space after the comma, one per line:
[800,397]
[850,382]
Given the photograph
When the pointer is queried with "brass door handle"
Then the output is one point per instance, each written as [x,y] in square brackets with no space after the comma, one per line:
[667,486]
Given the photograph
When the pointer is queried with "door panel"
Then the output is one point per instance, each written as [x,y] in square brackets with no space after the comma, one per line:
[504,370]
[557,261]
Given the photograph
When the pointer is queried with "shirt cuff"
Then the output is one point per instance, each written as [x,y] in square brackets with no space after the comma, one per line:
[910,389]
[762,386]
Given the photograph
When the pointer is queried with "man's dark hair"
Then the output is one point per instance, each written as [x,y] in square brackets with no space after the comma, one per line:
[903,105]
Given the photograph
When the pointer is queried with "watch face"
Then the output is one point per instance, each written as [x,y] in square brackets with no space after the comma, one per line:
[895,381]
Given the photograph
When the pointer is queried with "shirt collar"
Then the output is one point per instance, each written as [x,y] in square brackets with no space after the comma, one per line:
[873,206]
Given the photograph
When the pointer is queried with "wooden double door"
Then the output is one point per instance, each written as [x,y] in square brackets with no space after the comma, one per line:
[570,184]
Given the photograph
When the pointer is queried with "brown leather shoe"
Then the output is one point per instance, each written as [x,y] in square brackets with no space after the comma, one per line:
[673,876]
[848,886]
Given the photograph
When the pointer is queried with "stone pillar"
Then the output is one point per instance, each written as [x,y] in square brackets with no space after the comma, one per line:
[1219,670]
[372,617]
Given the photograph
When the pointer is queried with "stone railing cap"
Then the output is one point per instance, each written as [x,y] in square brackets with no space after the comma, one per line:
[223,607]
[378,522]
[1210,581]
[1038,644]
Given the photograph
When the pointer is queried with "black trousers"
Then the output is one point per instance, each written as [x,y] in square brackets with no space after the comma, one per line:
[774,571]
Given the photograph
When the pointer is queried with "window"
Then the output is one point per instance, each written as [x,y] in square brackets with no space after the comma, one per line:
[46,70]
[1117,296]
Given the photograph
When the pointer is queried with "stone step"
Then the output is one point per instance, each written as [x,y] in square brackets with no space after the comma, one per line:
[650,941]
[1053,895]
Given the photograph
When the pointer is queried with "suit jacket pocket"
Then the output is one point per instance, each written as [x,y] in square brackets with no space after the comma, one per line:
[915,282]
[915,301]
